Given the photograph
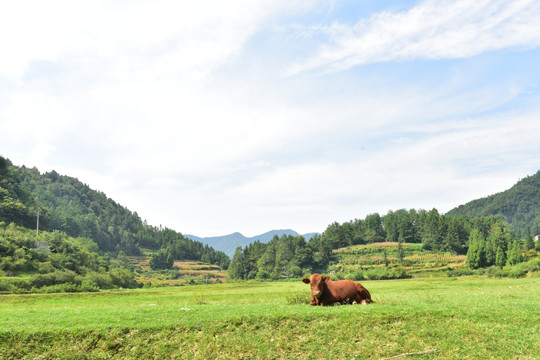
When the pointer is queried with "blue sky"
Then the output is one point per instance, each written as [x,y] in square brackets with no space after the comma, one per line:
[212,117]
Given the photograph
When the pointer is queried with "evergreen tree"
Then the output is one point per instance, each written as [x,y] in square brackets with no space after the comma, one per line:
[374,231]
[391,226]
[514,253]
[476,254]
[529,242]
[491,252]
[456,235]
[236,268]
[500,259]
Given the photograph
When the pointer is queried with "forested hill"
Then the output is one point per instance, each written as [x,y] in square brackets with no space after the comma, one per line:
[66,204]
[519,206]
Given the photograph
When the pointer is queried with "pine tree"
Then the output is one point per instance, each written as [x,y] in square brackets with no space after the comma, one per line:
[476,255]
[514,253]
[236,268]
[500,259]
[529,242]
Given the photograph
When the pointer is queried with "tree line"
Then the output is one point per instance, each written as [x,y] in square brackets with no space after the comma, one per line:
[481,237]
[282,257]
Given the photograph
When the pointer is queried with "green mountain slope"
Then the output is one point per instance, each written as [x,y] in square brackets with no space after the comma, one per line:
[68,205]
[56,262]
[519,206]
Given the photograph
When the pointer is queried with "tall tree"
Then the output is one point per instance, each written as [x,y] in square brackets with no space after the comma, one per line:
[374,231]
[476,255]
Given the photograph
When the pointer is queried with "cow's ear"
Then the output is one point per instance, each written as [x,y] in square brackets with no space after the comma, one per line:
[326,278]
[305,280]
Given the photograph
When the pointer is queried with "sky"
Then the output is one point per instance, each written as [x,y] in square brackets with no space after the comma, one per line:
[212,117]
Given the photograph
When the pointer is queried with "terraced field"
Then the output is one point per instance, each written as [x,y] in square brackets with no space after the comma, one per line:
[413,258]
[182,272]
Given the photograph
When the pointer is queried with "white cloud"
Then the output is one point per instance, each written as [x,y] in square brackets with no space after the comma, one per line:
[170,109]
[430,30]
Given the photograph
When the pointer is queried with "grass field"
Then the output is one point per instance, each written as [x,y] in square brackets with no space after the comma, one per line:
[463,318]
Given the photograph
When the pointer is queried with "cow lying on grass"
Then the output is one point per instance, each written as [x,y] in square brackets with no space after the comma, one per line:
[327,292]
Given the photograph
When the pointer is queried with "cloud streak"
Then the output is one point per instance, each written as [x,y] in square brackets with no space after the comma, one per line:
[430,30]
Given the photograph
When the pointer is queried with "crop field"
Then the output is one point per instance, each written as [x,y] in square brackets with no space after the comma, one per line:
[385,255]
[443,318]
[181,271]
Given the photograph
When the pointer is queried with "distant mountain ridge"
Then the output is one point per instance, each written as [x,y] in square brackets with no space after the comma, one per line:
[229,243]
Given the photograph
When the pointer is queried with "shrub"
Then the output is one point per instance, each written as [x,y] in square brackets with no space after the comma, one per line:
[459,272]
[14,285]
[89,286]
[55,278]
[101,280]
[382,274]
[122,278]
[45,268]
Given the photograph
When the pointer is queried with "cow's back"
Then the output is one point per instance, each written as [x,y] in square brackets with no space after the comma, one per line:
[342,290]
[363,293]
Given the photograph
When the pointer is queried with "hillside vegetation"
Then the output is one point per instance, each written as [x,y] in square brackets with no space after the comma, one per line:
[56,262]
[86,240]
[68,205]
[519,206]
[398,244]
[420,240]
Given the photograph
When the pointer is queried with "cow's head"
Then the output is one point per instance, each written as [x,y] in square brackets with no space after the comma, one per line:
[317,283]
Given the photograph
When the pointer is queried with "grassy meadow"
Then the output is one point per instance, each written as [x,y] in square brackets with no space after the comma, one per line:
[463,318]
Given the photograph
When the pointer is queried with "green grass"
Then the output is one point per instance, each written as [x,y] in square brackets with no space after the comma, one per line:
[464,318]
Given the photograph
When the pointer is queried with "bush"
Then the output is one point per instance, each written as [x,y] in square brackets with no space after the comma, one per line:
[122,278]
[356,275]
[55,278]
[459,272]
[519,270]
[14,285]
[381,274]
[45,268]
[531,266]
[89,286]
[100,280]
[509,272]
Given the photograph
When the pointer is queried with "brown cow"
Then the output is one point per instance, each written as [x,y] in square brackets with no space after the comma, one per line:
[327,292]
